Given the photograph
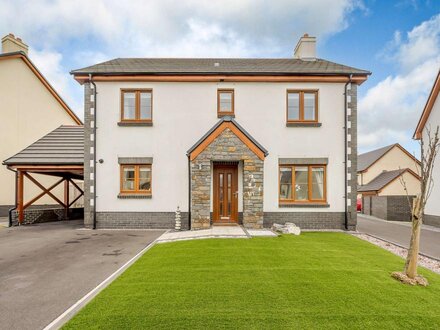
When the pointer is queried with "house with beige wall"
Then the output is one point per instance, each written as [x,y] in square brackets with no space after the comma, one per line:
[387,170]
[428,124]
[29,109]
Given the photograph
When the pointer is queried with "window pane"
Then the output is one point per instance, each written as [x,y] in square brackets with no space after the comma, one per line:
[221,193]
[129,105]
[318,183]
[225,102]
[293,106]
[145,105]
[285,183]
[309,106]
[229,194]
[144,178]
[301,183]
[128,178]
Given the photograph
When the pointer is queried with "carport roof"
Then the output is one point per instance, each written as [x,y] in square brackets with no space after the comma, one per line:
[62,146]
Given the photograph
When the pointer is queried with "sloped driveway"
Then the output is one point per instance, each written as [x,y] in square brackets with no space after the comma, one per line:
[46,268]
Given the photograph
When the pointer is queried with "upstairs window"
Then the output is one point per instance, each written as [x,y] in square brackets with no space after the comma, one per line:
[136,179]
[137,106]
[302,106]
[225,102]
[302,184]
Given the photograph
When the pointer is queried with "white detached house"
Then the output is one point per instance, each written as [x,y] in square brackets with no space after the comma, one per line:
[247,141]
[428,123]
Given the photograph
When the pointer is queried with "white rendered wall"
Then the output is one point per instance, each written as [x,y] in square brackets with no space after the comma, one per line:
[184,112]
[433,205]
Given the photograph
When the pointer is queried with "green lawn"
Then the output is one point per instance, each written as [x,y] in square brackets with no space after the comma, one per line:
[316,280]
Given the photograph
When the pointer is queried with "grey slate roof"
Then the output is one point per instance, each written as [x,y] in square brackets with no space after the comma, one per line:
[221,121]
[381,180]
[253,66]
[62,146]
[365,160]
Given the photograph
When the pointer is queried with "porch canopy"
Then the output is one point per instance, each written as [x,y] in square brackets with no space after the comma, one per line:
[60,154]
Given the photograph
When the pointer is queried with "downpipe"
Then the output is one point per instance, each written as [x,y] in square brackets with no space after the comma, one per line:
[12,209]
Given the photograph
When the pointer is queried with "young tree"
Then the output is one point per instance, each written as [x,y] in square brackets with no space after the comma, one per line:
[429,151]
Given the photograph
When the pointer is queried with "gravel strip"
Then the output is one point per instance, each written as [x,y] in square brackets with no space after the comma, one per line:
[426,262]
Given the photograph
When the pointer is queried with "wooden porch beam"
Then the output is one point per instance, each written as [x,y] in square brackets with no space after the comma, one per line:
[44,189]
[33,200]
[76,186]
[77,197]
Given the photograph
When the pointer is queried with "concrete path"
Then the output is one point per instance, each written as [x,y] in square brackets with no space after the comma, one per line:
[214,232]
[46,268]
[400,233]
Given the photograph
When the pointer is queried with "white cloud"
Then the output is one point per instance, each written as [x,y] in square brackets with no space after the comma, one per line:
[66,35]
[137,27]
[390,110]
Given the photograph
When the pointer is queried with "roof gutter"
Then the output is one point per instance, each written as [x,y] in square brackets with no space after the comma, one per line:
[345,151]
[94,150]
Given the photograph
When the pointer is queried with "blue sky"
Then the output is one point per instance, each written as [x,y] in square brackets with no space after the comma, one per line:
[399,41]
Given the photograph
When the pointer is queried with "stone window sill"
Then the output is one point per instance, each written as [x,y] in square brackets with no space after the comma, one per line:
[303,124]
[122,123]
[135,196]
[299,205]
[220,115]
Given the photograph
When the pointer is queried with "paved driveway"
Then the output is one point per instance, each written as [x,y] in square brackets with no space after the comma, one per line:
[46,268]
[400,233]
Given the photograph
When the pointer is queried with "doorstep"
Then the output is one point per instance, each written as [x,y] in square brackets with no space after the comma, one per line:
[215,232]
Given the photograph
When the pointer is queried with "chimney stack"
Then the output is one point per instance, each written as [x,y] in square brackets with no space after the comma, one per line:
[305,48]
[12,44]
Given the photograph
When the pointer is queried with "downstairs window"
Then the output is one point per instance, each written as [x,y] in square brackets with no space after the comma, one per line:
[302,184]
[136,179]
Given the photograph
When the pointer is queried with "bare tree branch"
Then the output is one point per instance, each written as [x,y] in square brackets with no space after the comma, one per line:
[403,183]
[428,157]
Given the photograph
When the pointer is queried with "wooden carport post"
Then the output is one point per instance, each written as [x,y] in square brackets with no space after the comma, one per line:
[66,198]
[20,197]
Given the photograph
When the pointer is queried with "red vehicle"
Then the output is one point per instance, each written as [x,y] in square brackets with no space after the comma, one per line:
[359,205]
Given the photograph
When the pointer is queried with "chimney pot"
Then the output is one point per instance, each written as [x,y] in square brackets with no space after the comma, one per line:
[12,44]
[305,48]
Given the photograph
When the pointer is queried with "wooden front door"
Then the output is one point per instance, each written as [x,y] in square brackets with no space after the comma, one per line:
[225,193]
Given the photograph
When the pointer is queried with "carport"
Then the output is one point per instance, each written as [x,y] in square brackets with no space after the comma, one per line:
[59,154]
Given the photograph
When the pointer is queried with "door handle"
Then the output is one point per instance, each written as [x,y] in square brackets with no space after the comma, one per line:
[236,194]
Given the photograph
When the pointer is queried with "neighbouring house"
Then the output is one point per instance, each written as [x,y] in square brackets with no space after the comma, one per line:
[388,178]
[380,172]
[29,108]
[227,140]
[428,123]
